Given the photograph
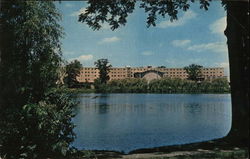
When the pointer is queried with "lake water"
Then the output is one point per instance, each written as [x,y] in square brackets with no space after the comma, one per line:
[125,122]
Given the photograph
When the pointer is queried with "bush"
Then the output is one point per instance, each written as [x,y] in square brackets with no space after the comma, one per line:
[132,85]
[163,85]
[40,130]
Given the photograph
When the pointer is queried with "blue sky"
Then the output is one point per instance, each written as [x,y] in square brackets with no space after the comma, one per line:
[196,37]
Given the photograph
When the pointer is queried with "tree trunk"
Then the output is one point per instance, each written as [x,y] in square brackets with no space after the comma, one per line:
[238,49]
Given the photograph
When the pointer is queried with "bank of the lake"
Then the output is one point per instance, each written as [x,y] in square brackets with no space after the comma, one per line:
[217,149]
[164,85]
[88,90]
[75,90]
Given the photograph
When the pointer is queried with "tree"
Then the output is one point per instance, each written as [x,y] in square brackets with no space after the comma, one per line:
[194,72]
[220,85]
[115,13]
[72,70]
[103,66]
[161,67]
[35,120]
[237,34]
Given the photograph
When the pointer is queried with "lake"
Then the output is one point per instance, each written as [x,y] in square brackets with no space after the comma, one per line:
[125,122]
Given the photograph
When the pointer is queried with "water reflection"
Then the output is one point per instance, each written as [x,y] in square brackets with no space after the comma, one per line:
[125,122]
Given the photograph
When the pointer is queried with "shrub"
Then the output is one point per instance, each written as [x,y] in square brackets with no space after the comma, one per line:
[40,130]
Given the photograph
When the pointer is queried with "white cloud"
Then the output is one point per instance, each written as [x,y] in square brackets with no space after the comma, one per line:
[218,26]
[83,58]
[188,15]
[77,13]
[69,5]
[180,43]
[219,47]
[109,40]
[147,53]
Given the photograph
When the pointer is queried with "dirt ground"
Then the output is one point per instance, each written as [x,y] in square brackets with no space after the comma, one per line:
[235,153]
[199,154]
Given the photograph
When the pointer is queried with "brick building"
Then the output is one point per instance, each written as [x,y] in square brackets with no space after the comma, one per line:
[89,74]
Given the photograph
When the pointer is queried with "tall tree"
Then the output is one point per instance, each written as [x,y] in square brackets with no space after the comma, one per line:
[35,122]
[72,70]
[30,49]
[115,13]
[103,66]
[237,33]
[194,72]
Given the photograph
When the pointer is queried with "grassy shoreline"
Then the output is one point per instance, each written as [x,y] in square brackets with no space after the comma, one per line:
[84,90]
[203,150]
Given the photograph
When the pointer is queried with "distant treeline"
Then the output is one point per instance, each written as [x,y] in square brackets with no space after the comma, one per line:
[164,85]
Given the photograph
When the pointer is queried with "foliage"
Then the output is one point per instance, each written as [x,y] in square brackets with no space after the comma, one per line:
[72,70]
[168,85]
[112,12]
[103,66]
[220,85]
[34,122]
[75,90]
[164,85]
[161,67]
[115,12]
[83,85]
[194,72]
[30,50]
[43,129]
[132,85]
[99,86]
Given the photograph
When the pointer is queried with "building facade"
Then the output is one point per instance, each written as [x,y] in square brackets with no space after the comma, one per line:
[89,74]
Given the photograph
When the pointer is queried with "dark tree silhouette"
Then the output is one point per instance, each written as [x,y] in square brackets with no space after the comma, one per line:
[194,72]
[237,34]
[72,70]
[35,120]
[115,13]
[103,66]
